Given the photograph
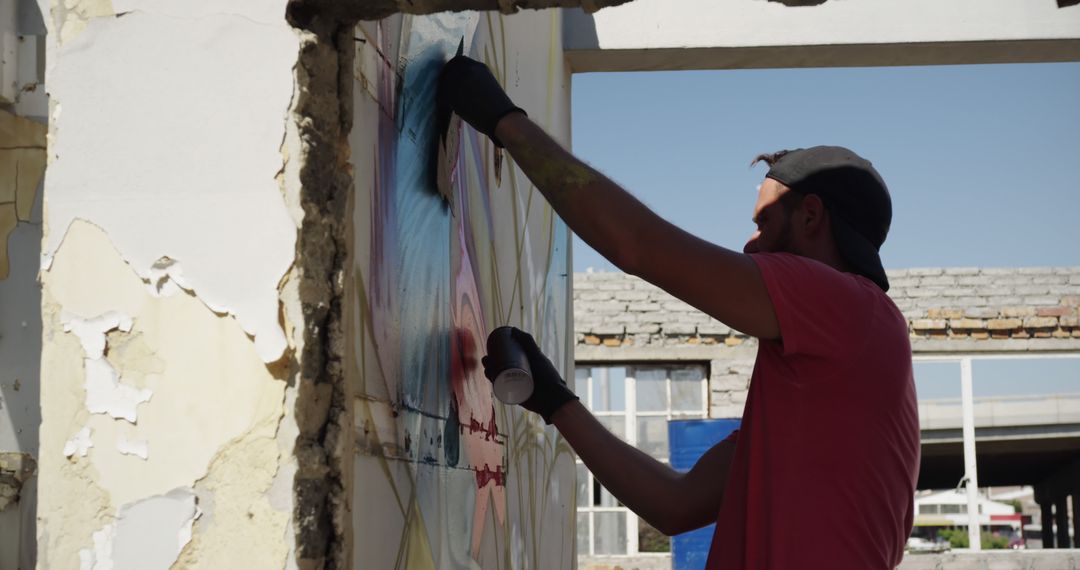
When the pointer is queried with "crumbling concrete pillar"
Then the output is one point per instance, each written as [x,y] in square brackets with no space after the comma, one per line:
[1061,520]
[186,287]
[1046,515]
[1076,519]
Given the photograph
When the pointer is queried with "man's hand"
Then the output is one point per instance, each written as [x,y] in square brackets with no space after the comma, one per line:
[468,87]
[550,391]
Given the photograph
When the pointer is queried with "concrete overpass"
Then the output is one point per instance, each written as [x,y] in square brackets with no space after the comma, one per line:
[1021,440]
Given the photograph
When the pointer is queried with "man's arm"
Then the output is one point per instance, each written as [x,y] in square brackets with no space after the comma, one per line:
[670,501]
[724,284]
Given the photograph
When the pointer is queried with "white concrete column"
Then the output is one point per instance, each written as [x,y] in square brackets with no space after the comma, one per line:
[970,467]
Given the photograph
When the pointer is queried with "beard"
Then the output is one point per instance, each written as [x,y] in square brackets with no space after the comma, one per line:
[783,242]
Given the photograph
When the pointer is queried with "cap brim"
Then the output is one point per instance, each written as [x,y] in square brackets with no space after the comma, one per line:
[860,254]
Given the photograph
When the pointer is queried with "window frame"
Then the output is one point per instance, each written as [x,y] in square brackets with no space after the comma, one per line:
[630,416]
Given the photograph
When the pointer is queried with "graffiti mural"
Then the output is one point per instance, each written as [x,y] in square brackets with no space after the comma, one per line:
[445,475]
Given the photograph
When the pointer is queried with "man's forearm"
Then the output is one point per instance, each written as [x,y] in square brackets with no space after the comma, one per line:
[670,501]
[645,485]
[578,193]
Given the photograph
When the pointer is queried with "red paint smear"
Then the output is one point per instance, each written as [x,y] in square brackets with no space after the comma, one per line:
[489,429]
[486,475]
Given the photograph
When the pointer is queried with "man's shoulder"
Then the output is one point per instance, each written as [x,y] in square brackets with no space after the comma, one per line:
[822,310]
[799,271]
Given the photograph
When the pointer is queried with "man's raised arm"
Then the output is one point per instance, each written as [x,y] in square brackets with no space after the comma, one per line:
[724,284]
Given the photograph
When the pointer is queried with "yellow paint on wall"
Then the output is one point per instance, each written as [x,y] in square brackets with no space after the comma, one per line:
[213,389]
[22,164]
[418,554]
[8,220]
[241,529]
[74,505]
[17,131]
[212,418]
[72,16]
[130,352]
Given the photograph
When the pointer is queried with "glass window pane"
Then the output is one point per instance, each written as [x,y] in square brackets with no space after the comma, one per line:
[652,436]
[581,384]
[1025,377]
[583,533]
[610,533]
[609,389]
[937,385]
[582,486]
[615,424]
[937,380]
[687,389]
[601,496]
[651,388]
[650,539]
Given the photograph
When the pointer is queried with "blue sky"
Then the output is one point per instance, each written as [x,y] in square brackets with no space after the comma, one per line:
[983,163]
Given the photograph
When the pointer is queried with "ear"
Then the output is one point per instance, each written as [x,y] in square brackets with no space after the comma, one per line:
[815,215]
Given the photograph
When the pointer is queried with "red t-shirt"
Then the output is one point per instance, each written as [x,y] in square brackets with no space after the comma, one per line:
[828,451]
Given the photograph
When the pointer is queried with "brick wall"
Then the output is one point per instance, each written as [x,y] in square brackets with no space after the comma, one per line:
[618,317]
[991,303]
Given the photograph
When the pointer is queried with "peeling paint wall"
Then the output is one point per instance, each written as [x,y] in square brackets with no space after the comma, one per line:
[259,326]
[169,365]
[445,476]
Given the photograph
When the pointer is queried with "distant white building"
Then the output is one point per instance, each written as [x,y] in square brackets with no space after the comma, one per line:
[950,509]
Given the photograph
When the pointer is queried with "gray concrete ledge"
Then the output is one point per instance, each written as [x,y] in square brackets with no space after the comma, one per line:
[988,560]
[1011,346]
[995,560]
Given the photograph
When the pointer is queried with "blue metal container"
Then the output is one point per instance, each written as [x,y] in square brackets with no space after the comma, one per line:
[688,440]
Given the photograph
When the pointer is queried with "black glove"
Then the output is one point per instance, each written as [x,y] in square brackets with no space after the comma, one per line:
[550,391]
[468,87]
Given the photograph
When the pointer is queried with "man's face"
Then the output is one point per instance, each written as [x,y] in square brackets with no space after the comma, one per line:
[773,233]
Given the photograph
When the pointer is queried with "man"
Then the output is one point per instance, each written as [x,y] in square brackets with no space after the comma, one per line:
[822,472]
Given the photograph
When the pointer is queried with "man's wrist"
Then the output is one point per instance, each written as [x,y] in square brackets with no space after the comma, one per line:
[508,127]
[564,410]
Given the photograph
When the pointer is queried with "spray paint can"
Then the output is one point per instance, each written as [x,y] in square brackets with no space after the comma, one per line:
[513,382]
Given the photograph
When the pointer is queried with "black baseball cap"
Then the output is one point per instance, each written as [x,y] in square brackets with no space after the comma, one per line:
[860,208]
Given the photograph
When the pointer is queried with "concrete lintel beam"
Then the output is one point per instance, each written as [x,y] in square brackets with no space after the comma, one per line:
[958,347]
[700,353]
[301,12]
[704,34]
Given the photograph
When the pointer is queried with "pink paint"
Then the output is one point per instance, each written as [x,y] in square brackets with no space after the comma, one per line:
[382,281]
[476,408]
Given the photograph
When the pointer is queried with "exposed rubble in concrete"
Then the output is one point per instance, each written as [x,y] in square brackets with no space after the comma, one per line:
[15,469]
[322,107]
